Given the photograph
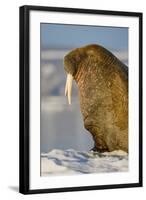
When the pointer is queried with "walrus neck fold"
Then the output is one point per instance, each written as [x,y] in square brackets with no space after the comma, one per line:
[79,73]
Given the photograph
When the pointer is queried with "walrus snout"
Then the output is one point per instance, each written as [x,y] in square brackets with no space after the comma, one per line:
[70,66]
[72,61]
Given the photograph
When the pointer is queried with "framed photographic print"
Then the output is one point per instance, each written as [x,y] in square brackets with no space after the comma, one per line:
[80,99]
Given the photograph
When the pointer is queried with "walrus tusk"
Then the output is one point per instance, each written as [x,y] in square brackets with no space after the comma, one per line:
[68,87]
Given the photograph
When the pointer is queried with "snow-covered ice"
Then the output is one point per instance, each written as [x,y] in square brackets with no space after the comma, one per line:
[81,162]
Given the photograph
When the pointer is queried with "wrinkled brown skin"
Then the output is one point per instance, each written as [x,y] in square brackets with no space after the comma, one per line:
[102,82]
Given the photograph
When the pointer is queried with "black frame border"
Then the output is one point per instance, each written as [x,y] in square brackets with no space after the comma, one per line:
[24,98]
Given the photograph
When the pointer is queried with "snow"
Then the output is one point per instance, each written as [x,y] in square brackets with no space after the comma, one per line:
[70,161]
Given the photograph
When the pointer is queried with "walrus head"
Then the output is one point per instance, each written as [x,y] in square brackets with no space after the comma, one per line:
[72,63]
[102,82]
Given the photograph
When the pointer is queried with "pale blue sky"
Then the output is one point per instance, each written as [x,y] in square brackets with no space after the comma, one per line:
[66,36]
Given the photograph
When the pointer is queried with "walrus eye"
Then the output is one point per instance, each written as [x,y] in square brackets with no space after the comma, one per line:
[68,87]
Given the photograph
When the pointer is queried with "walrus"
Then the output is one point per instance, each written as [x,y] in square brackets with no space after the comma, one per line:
[102,81]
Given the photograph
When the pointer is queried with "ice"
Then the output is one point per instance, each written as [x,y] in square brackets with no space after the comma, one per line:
[71,161]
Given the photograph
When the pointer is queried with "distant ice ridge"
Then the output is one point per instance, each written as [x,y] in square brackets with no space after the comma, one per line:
[79,162]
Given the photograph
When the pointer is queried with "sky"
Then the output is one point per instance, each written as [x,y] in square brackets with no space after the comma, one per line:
[66,36]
